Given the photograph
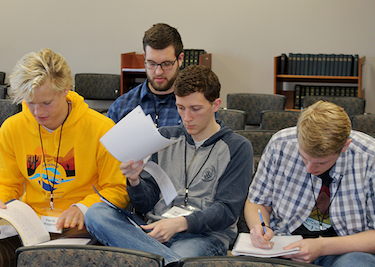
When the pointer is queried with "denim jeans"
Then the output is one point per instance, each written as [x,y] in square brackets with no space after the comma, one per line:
[112,228]
[347,260]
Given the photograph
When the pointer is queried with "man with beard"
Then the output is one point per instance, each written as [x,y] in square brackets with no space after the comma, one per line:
[163,52]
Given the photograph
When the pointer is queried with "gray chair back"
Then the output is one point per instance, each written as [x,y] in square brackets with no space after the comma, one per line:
[259,139]
[364,123]
[3,91]
[278,119]
[99,90]
[2,77]
[7,109]
[254,104]
[352,105]
[84,255]
[234,119]
[95,86]
[231,261]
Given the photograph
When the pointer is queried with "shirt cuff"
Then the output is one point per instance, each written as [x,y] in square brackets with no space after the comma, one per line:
[83,208]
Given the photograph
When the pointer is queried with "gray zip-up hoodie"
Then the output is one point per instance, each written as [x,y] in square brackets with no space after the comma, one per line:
[218,175]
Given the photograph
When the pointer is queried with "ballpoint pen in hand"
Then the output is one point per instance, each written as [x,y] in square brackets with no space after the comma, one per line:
[262,222]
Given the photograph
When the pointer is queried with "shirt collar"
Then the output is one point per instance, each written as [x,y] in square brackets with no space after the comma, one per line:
[146,94]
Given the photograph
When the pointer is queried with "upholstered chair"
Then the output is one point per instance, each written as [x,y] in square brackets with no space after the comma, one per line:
[254,104]
[278,119]
[364,123]
[84,255]
[352,105]
[99,90]
[7,109]
[235,119]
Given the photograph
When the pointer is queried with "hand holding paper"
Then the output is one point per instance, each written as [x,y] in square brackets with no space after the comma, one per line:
[134,137]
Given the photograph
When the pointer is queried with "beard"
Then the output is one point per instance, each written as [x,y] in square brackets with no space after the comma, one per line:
[165,86]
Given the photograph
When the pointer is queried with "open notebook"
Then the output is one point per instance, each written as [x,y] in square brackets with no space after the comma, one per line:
[244,247]
[30,228]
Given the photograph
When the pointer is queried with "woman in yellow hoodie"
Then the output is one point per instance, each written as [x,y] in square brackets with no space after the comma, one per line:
[50,154]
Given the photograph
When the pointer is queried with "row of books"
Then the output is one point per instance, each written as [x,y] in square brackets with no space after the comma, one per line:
[307,90]
[191,57]
[319,64]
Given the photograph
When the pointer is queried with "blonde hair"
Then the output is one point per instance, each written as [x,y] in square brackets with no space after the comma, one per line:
[323,129]
[34,69]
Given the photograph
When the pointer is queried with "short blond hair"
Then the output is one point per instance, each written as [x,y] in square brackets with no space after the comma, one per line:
[34,69]
[323,129]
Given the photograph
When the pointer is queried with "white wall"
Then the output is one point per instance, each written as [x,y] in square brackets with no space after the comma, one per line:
[242,35]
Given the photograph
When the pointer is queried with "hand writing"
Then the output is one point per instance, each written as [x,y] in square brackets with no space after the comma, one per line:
[259,240]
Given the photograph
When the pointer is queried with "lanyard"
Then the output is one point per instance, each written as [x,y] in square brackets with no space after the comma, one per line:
[52,188]
[187,169]
[158,112]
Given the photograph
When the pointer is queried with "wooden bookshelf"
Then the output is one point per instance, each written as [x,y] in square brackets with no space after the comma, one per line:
[280,79]
[133,67]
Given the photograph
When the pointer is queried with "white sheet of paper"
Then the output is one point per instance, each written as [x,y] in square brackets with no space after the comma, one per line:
[7,231]
[162,179]
[134,137]
[66,241]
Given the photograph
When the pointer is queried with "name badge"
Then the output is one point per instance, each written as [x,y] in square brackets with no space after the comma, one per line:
[50,224]
[178,211]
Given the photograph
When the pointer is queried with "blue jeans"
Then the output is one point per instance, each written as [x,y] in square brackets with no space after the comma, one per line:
[112,228]
[347,260]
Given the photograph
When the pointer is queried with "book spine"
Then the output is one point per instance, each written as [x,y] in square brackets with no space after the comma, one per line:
[340,71]
[349,65]
[311,64]
[315,65]
[298,64]
[336,66]
[297,96]
[355,65]
[302,65]
[324,63]
[307,58]
[319,65]
[282,64]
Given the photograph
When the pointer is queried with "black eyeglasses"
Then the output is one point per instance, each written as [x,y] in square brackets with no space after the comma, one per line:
[166,65]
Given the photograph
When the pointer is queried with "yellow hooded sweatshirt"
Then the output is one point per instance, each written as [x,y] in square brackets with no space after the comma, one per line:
[83,162]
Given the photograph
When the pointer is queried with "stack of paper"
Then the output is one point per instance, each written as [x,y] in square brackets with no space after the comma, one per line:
[243,246]
[134,137]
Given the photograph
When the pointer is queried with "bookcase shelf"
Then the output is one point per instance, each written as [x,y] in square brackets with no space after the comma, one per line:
[280,79]
[133,68]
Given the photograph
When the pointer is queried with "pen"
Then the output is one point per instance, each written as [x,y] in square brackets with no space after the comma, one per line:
[262,222]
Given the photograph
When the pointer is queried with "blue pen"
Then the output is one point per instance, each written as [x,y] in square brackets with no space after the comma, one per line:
[262,222]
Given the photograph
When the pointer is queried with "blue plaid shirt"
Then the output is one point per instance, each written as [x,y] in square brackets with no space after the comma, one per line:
[141,95]
[282,183]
